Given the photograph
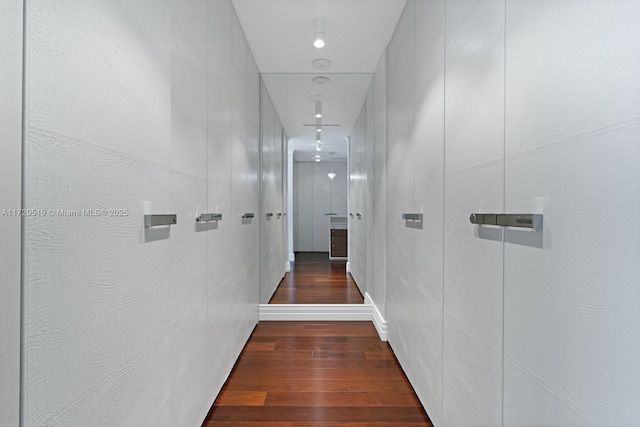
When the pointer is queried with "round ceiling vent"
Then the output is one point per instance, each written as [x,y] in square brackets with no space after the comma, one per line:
[321,64]
[321,80]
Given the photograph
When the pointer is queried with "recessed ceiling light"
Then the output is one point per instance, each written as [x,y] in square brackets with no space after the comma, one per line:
[317,156]
[318,109]
[318,32]
[317,160]
[321,80]
[321,64]
[318,148]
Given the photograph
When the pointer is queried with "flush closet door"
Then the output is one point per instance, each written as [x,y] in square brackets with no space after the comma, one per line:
[428,160]
[400,152]
[303,205]
[572,305]
[474,182]
[321,206]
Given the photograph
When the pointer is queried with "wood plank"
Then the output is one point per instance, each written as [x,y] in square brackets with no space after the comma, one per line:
[315,279]
[346,377]
[241,398]
[344,414]
[275,398]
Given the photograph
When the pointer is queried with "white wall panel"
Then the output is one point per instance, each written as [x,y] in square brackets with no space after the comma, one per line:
[475,85]
[153,108]
[378,289]
[400,237]
[571,300]
[473,254]
[303,206]
[11,34]
[472,373]
[428,163]
[272,237]
[339,188]
[219,149]
[188,103]
[400,113]
[565,97]
[580,75]
[321,199]
[91,83]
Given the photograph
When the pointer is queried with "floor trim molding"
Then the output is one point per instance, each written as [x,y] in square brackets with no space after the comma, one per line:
[376,317]
[326,312]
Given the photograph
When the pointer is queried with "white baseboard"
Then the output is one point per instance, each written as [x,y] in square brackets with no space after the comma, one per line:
[287,266]
[348,267]
[326,312]
[311,312]
[377,319]
[292,256]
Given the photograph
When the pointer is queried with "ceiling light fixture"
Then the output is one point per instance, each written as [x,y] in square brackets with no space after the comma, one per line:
[317,160]
[331,175]
[318,109]
[320,80]
[318,32]
[321,64]
[318,148]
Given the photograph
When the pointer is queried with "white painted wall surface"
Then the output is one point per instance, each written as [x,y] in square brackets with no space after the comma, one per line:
[358,187]
[377,290]
[272,227]
[572,294]
[150,107]
[538,106]
[11,23]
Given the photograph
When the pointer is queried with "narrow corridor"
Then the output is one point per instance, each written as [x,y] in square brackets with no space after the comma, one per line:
[314,279]
[316,374]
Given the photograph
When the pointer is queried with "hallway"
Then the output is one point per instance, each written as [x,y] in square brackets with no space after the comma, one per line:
[308,374]
[314,279]
[491,159]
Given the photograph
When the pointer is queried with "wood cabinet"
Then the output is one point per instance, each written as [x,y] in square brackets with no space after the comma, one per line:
[338,243]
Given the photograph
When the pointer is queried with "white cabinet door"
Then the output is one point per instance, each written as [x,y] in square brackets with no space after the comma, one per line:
[572,305]
[303,203]
[321,206]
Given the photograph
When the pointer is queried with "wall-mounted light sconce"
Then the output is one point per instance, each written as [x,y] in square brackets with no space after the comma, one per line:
[318,32]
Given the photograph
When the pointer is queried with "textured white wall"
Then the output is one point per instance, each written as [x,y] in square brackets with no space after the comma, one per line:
[377,290]
[535,109]
[150,107]
[359,142]
[11,20]
[272,236]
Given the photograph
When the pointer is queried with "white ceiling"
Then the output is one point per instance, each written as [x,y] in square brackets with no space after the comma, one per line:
[280,35]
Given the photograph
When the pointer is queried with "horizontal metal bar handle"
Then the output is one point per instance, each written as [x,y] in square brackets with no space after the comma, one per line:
[207,217]
[508,220]
[330,213]
[247,215]
[163,219]
[412,217]
[269,214]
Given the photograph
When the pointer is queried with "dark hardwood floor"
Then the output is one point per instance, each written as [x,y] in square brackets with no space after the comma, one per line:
[294,374]
[314,279]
